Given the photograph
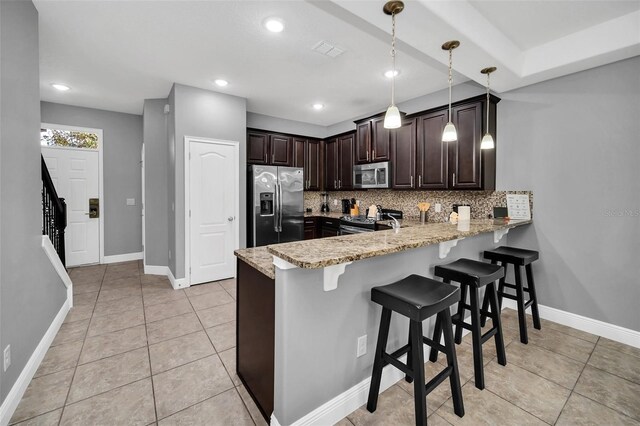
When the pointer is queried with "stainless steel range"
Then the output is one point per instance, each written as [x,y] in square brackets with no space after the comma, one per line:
[356,225]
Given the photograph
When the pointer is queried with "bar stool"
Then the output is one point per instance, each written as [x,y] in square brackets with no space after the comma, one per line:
[417,298]
[472,275]
[518,258]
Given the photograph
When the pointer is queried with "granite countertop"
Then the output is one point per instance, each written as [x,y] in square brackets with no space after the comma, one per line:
[332,215]
[322,252]
[259,258]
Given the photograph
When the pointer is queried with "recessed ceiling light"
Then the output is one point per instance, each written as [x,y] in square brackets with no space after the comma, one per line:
[61,87]
[391,73]
[275,25]
[221,82]
[318,107]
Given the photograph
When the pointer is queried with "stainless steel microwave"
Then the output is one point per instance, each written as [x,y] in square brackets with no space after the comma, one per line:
[374,175]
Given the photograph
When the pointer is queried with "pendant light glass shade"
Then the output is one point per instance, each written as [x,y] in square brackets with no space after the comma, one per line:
[487,142]
[449,134]
[392,118]
[487,139]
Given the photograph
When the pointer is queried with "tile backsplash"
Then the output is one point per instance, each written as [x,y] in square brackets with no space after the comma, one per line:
[481,202]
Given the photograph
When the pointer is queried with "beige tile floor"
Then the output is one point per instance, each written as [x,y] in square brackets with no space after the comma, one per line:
[134,351]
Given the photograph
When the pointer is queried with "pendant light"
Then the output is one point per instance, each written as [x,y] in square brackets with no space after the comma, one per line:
[450,134]
[392,117]
[487,140]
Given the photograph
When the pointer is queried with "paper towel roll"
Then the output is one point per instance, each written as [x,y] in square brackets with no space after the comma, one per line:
[464,213]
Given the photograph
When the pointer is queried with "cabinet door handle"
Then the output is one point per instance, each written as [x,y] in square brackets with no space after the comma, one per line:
[411,181]
[335,184]
[373,155]
[419,181]
[273,158]
[454,179]
[367,155]
[339,184]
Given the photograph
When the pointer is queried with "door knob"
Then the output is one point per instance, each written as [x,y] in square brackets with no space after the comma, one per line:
[230,218]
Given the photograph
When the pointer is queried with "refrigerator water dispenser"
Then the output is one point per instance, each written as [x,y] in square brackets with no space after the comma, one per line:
[266,204]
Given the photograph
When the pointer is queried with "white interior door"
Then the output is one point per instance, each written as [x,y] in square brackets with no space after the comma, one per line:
[213,204]
[75,172]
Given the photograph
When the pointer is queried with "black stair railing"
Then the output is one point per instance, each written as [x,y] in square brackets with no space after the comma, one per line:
[54,213]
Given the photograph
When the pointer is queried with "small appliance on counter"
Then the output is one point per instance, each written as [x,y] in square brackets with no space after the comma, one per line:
[324,208]
[346,206]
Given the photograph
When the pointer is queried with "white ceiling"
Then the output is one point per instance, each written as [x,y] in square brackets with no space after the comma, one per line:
[115,54]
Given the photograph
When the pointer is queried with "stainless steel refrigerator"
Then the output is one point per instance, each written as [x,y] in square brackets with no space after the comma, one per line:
[275,200]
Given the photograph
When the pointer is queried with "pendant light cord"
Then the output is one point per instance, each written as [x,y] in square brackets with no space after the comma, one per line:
[450,79]
[488,84]
[393,58]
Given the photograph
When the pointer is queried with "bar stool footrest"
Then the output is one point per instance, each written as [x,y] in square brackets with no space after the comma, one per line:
[488,335]
[433,383]
[388,359]
[514,287]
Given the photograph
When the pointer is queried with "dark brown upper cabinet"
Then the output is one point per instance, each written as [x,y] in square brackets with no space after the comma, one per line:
[431,152]
[306,154]
[403,155]
[339,162]
[465,160]
[372,140]
[257,148]
[460,164]
[268,148]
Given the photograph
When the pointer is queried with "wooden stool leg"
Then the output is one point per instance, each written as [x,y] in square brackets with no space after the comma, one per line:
[534,298]
[452,361]
[497,323]
[476,335]
[437,333]
[460,313]
[419,390]
[501,285]
[522,317]
[407,377]
[485,302]
[378,362]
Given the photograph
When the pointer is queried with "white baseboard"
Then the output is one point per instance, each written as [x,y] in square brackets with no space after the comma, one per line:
[20,386]
[156,270]
[127,257]
[177,283]
[51,253]
[589,325]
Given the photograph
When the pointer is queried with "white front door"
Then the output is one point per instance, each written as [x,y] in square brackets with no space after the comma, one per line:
[75,172]
[213,205]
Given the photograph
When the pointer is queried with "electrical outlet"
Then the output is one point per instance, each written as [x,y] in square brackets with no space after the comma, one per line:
[335,202]
[131,201]
[362,346]
[7,357]
[438,207]
[169,254]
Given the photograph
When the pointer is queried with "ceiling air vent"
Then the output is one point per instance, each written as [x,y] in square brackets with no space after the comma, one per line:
[327,49]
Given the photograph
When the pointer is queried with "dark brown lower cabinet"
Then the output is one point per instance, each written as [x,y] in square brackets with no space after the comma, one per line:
[255,331]
[329,227]
[310,228]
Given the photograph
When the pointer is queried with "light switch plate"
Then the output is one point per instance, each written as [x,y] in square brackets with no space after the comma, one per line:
[362,346]
[131,201]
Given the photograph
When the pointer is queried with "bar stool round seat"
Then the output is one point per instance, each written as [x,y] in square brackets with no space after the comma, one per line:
[417,298]
[519,258]
[472,276]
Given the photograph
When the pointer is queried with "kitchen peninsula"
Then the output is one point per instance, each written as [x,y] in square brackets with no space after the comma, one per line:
[303,305]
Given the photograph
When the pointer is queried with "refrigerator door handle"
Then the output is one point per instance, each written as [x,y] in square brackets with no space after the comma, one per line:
[280,207]
[276,212]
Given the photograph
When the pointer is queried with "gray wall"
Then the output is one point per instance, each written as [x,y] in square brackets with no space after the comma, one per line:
[203,113]
[171,186]
[31,293]
[266,122]
[574,141]
[155,123]
[122,134]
